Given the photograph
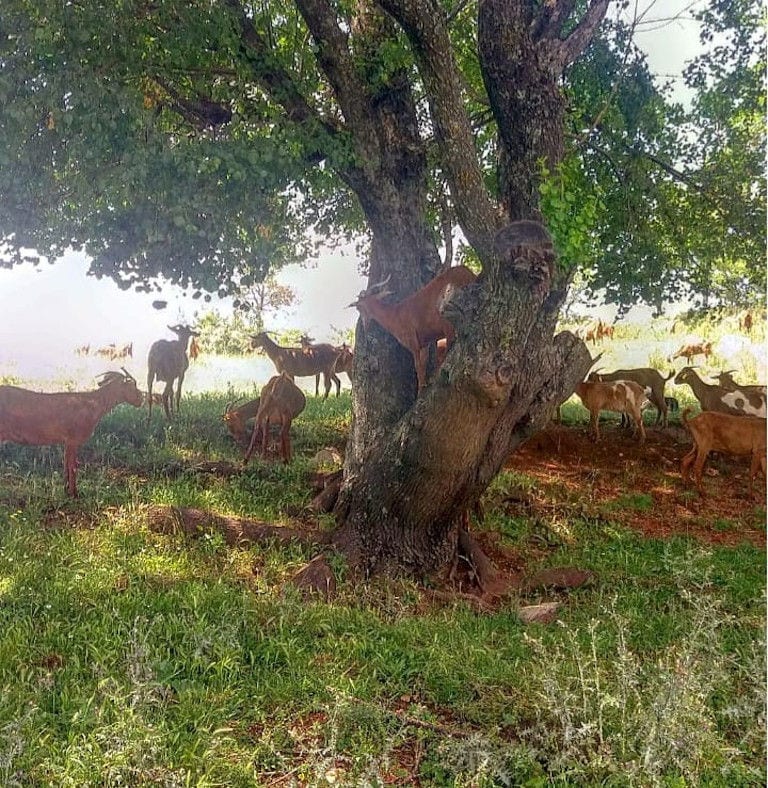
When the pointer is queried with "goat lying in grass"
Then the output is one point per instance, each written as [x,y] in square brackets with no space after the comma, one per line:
[621,396]
[722,432]
[69,418]
[237,419]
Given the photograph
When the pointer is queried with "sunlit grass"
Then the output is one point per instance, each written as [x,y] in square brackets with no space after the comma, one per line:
[131,657]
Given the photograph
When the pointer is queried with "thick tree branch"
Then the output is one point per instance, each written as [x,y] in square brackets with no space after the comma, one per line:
[568,50]
[333,56]
[277,83]
[425,24]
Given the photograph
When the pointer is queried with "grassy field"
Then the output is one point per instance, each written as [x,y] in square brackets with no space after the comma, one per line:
[131,657]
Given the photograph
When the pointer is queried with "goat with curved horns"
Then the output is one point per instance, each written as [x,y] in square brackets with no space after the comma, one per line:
[416,321]
[168,361]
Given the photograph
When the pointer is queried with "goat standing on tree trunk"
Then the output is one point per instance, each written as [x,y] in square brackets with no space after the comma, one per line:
[416,321]
[168,361]
[69,417]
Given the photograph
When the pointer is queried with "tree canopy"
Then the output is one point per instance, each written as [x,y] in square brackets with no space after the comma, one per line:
[209,143]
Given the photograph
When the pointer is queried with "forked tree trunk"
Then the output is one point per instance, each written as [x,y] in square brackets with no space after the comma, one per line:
[414,465]
[409,481]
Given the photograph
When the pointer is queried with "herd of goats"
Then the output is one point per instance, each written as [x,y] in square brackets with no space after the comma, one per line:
[732,421]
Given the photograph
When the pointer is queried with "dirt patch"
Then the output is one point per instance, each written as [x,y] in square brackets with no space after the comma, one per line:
[640,487]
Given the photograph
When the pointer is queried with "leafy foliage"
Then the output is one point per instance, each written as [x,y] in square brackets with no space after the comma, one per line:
[144,134]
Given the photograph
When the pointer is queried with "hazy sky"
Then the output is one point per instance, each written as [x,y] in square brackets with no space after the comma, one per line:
[50,310]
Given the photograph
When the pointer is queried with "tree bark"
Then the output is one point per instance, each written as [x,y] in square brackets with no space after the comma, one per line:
[416,462]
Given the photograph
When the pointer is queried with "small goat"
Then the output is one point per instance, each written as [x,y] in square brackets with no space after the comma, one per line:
[416,321]
[738,401]
[281,401]
[726,380]
[737,435]
[309,349]
[693,349]
[621,396]
[237,419]
[745,322]
[295,363]
[168,361]
[69,418]
[650,379]
[345,360]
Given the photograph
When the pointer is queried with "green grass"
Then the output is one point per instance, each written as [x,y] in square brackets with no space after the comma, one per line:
[129,657]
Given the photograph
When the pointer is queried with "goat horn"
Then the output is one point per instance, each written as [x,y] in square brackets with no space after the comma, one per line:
[128,374]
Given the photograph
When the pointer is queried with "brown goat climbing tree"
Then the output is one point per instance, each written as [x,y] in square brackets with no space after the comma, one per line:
[238,106]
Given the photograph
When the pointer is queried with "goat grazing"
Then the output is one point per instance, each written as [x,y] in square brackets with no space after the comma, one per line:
[621,396]
[690,350]
[68,418]
[237,419]
[168,361]
[281,401]
[649,378]
[721,432]
[739,401]
[416,321]
[295,363]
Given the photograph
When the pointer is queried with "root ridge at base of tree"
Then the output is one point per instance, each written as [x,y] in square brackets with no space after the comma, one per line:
[236,531]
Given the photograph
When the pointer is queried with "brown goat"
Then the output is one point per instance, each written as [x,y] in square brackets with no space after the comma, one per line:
[693,349]
[168,361]
[281,401]
[237,419]
[295,363]
[309,349]
[621,396]
[345,360]
[721,432]
[68,418]
[416,321]
[745,322]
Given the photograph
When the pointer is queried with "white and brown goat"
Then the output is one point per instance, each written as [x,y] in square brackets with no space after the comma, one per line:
[650,379]
[737,401]
[620,396]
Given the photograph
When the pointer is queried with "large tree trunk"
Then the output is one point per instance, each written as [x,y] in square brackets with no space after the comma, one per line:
[416,463]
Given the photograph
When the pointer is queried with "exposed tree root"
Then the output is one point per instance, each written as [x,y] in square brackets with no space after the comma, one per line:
[316,578]
[235,530]
[491,582]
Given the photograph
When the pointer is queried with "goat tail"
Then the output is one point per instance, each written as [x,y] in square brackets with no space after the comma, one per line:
[671,374]
[684,416]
